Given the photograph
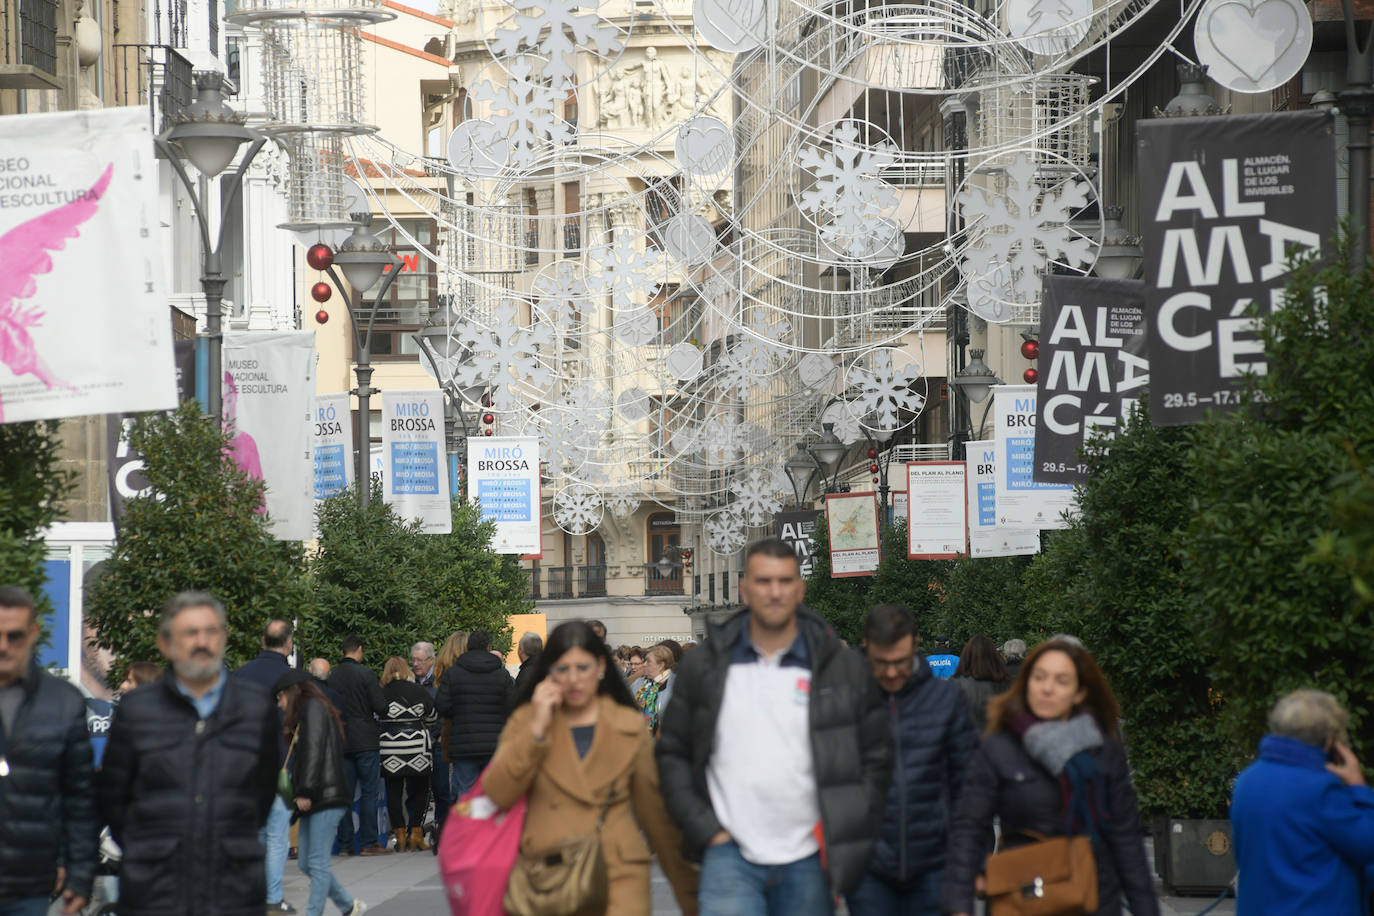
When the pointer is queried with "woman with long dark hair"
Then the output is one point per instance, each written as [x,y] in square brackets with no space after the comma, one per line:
[315,737]
[1051,764]
[981,675]
[576,745]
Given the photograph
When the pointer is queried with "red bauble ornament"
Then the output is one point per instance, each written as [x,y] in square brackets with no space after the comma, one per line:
[319,256]
[873,453]
[872,469]
[1031,376]
[486,432]
[322,317]
[321,291]
[488,418]
[1031,349]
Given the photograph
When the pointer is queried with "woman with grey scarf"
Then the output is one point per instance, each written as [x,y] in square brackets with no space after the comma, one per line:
[1052,764]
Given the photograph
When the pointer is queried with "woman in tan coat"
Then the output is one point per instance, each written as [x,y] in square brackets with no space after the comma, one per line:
[575,739]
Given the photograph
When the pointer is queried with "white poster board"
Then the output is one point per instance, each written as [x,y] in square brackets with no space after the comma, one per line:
[985,537]
[415,479]
[937,517]
[269,393]
[333,444]
[503,478]
[1021,502]
[84,322]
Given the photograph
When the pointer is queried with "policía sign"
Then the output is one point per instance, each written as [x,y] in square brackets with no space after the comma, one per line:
[1093,367]
[415,479]
[503,477]
[937,524]
[1223,200]
[1022,502]
[986,538]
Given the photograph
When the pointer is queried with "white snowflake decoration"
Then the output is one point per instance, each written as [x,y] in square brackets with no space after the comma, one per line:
[505,352]
[621,501]
[577,508]
[1016,234]
[720,440]
[756,496]
[556,29]
[525,111]
[724,533]
[561,290]
[848,199]
[843,423]
[885,391]
[625,271]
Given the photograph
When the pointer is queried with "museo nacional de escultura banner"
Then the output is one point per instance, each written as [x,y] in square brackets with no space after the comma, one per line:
[84,322]
[415,459]
[1093,366]
[1223,200]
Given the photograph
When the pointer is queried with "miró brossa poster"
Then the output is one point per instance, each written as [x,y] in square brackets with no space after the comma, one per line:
[415,479]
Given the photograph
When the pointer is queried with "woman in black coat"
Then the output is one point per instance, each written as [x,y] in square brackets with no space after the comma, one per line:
[1051,764]
[981,675]
[314,735]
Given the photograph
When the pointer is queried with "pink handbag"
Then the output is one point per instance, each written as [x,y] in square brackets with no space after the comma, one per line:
[477,851]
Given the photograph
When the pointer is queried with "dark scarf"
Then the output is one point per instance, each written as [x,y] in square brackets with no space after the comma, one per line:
[1065,749]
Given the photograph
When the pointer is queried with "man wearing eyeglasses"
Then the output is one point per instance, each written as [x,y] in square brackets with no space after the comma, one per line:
[189,775]
[48,829]
[933,740]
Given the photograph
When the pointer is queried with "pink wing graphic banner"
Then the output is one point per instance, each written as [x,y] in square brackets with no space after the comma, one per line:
[269,404]
[85,326]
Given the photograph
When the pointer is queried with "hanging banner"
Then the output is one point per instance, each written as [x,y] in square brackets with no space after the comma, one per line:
[1223,199]
[852,523]
[503,477]
[84,323]
[269,393]
[415,479]
[986,538]
[1093,367]
[1021,502]
[900,506]
[123,465]
[333,444]
[798,529]
[937,523]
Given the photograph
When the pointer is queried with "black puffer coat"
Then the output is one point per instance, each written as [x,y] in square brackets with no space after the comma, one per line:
[365,703]
[47,802]
[186,797]
[932,743]
[476,694]
[317,763]
[1004,781]
[850,745]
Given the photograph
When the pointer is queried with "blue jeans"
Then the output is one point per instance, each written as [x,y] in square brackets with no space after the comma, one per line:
[731,886]
[26,906]
[316,838]
[875,897]
[463,774]
[274,836]
[362,770]
[440,786]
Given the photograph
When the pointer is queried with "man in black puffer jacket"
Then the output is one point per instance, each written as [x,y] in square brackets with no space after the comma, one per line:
[48,829]
[774,755]
[933,740]
[364,703]
[476,695]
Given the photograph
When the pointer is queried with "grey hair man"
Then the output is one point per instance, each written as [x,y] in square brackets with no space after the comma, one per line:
[202,744]
[422,663]
[1014,652]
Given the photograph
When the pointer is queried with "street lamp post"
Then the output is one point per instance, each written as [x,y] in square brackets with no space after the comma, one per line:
[801,470]
[878,464]
[1357,104]
[208,133]
[363,259]
[975,380]
[828,452]
[442,354]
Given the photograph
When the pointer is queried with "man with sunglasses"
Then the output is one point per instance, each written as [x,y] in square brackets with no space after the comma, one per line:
[48,830]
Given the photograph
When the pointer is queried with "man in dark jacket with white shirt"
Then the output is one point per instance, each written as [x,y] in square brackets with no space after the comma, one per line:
[362,694]
[48,826]
[774,755]
[933,740]
[475,694]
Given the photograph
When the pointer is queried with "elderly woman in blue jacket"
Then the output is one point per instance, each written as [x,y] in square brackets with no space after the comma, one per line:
[1303,817]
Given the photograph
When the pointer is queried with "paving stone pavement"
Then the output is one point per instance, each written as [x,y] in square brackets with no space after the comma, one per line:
[407,884]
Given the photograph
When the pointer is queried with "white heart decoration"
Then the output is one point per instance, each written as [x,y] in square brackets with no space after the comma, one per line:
[1252,39]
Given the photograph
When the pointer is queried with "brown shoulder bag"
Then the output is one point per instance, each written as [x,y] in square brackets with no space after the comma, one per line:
[565,881]
[1054,876]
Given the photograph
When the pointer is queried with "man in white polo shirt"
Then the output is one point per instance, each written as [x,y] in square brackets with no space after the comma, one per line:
[774,755]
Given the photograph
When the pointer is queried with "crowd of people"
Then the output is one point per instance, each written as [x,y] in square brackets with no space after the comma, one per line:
[771,769]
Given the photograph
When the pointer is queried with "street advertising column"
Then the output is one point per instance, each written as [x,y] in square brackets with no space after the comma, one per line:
[1021,501]
[1093,367]
[937,520]
[84,326]
[797,529]
[986,538]
[269,393]
[503,477]
[333,444]
[852,523]
[1223,200]
[415,476]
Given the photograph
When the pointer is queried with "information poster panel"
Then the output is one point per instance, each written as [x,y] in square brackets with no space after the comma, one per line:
[333,444]
[797,528]
[503,478]
[415,479]
[1021,501]
[937,520]
[986,538]
[852,523]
